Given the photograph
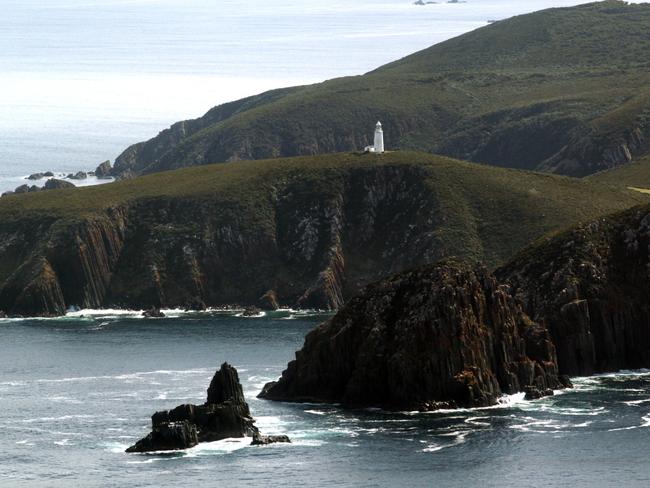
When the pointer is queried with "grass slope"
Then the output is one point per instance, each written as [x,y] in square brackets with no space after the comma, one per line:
[483,213]
[635,175]
[562,90]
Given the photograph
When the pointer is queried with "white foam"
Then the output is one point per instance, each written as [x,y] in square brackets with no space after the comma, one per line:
[316,412]
[250,316]
[222,446]
[637,402]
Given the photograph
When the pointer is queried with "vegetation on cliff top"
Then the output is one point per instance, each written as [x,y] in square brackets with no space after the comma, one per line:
[483,212]
[561,90]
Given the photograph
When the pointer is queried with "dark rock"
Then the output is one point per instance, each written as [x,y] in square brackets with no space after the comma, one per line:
[265,440]
[195,304]
[168,437]
[153,313]
[36,176]
[224,415]
[590,287]
[7,193]
[48,174]
[251,312]
[442,335]
[103,171]
[54,184]
[269,301]
[225,386]
[79,175]
[566,381]
[22,189]
[3,315]
[534,393]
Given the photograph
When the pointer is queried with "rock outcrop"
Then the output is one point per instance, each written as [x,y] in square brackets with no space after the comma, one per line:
[225,415]
[440,336]
[54,184]
[104,170]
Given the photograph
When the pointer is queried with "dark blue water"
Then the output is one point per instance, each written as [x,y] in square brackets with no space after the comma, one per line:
[75,392]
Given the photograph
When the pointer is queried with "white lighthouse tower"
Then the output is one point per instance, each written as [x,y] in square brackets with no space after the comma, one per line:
[379,138]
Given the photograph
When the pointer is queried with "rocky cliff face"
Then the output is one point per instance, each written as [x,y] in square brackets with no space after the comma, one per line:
[441,336]
[574,304]
[305,232]
[314,249]
[591,288]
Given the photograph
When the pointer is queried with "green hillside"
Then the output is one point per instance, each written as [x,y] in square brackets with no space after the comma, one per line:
[561,90]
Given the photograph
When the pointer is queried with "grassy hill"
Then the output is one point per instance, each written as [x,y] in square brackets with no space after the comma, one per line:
[312,229]
[561,90]
[635,175]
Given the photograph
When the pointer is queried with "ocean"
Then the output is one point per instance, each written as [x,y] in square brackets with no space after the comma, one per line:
[76,391]
[80,80]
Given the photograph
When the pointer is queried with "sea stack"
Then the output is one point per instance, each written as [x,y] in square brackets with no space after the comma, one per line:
[224,415]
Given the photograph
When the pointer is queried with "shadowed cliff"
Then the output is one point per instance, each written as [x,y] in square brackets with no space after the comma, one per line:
[591,287]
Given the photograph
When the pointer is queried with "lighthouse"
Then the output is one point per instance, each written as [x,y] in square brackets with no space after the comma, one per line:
[378,147]
[379,138]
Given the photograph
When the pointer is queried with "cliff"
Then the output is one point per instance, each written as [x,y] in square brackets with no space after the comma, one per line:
[310,232]
[576,303]
[591,288]
[443,336]
[561,90]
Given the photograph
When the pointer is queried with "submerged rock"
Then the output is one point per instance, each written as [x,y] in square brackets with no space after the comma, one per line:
[440,336]
[36,176]
[264,440]
[79,175]
[224,415]
[251,312]
[534,393]
[153,313]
